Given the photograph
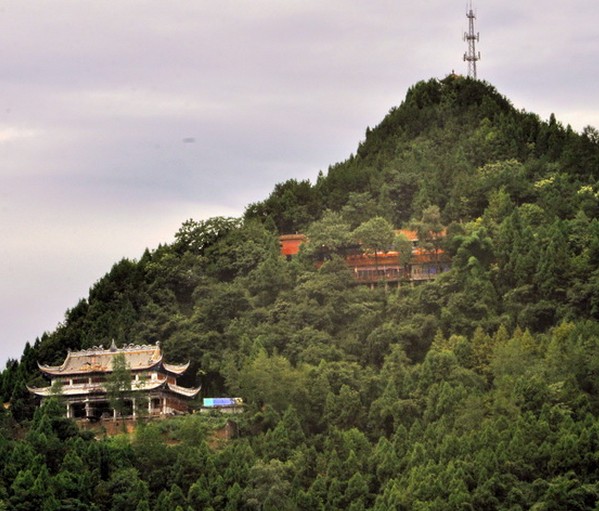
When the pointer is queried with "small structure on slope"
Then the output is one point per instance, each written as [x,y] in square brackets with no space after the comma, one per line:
[222,404]
[83,381]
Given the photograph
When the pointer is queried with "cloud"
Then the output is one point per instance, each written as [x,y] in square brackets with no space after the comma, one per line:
[13,133]
[98,99]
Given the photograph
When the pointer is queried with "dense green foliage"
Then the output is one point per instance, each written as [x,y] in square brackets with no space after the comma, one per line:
[479,390]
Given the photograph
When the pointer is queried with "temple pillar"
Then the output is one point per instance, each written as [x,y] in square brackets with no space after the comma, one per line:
[149,405]
[87,409]
[133,406]
[68,410]
[163,406]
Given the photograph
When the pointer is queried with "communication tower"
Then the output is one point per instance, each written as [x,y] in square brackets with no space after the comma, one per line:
[471,56]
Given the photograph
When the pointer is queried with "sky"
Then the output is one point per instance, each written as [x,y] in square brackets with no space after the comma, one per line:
[120,120]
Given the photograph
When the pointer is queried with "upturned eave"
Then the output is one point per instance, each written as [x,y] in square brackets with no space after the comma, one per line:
[184,391]
[177,369]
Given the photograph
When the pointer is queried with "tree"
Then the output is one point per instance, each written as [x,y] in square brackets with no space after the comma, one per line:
[22,405]
[269,487]
[285,437]
[403,246]
[327,236]
[240,250]
[199,495]
[375,235]
[270,380]
[29,492]
[196,237]
[127,490]
[430,231]
[356,493]
[344,409]
[118,384]
[23,498]
[153,460]
[359,208]
[73,484]
[292,206]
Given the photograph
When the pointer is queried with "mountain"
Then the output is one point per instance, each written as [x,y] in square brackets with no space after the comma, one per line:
[433,149]
[479,389]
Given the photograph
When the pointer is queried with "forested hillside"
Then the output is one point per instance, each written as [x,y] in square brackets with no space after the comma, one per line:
[478,390]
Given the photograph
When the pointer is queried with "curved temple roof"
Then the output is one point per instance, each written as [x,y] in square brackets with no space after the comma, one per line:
[81,390]
[100,360]
[175,368]
[183,391]
[92,388]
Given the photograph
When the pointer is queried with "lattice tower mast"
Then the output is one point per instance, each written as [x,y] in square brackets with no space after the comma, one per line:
[471,56]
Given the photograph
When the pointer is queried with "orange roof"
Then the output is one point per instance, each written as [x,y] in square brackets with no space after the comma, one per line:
[411,235]
[290,243]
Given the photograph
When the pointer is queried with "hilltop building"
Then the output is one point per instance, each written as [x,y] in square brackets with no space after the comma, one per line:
[82,378]
[424,264]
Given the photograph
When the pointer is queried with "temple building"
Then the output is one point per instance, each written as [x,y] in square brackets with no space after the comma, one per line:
[387,267]
[82,382]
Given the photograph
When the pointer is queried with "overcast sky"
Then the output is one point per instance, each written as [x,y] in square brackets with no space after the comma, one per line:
[119,120]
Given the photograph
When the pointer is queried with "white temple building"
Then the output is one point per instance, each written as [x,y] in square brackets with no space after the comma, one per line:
[81,382]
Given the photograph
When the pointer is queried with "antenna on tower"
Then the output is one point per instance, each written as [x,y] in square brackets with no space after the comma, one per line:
[471,56]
